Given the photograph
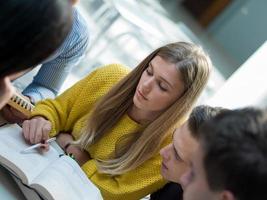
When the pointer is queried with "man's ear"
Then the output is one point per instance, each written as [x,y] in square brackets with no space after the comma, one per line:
[227,195]
[73,1]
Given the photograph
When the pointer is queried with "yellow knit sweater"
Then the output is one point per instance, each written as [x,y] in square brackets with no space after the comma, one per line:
[68,113]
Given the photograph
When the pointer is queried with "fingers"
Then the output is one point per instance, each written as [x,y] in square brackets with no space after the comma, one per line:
[46,130]
[44,148]
[36,130]
[26,130]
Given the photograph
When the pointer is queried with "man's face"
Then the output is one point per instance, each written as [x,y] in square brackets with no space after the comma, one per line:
[6,91]
[73,2]
[176,156]
[194,181]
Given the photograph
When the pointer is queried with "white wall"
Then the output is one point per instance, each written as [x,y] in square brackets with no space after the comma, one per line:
[247,86]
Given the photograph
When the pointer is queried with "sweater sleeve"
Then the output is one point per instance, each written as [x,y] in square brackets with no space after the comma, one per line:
[132,185]
[76,102]
[57,110]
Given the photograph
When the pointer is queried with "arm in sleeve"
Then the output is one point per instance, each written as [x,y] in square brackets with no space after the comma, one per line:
[58,111]
[51,76]
[78,100]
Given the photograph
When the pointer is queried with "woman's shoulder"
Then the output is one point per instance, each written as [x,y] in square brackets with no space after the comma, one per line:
[112,71]
[107,74]
[114,68]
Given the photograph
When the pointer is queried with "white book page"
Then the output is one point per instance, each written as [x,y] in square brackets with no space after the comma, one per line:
[64,179]
[25,165]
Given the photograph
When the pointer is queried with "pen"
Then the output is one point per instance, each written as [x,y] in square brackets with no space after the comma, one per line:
[37,145]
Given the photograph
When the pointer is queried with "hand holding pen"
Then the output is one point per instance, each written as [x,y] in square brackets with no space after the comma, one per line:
[38,145]
[36,130]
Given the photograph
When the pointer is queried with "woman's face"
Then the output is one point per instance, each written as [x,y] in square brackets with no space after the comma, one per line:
[159,86]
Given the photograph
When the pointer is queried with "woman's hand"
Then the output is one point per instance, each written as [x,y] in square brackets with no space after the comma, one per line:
[80,156]
[36,130]
[63,139]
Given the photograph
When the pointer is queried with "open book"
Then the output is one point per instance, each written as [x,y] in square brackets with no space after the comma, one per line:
[50,175]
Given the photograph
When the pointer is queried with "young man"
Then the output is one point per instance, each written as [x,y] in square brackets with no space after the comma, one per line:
[55,68]
[176,156]
[30,32]
[231,160]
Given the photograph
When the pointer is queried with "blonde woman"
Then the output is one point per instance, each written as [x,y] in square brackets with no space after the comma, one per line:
[115,120]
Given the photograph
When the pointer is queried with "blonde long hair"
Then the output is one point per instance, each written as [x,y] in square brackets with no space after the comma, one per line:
[134,149]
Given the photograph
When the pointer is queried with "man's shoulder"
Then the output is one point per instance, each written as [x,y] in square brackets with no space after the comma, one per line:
[169,191]
[79,32]
[80,26]
[79,35]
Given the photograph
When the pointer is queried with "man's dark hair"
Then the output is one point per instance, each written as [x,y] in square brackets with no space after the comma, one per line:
[30,31]
[235,153]
[199,115]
